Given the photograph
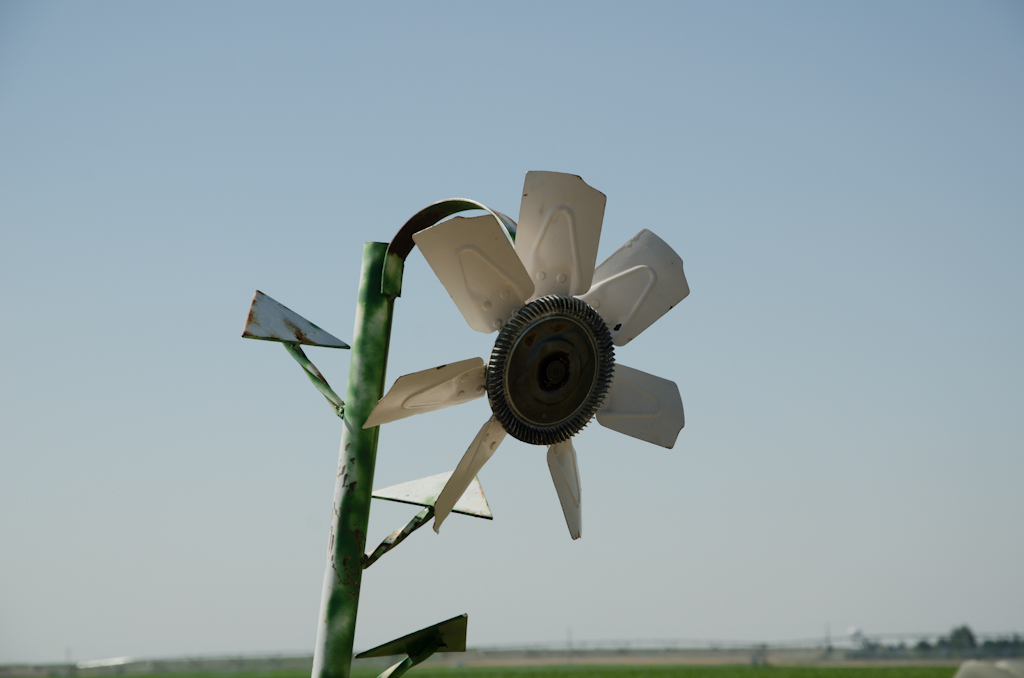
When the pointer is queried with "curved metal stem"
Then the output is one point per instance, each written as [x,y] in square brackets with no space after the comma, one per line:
[402,244]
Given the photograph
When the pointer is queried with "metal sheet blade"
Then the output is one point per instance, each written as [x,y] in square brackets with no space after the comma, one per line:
[430,390]
[643,406]
[565,473]
[480,450]
[478,265]
[559,232]
[640,282]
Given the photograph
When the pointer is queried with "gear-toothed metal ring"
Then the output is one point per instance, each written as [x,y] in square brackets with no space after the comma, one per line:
[550,370]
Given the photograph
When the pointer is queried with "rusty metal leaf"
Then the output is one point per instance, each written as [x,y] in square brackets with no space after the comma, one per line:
[449,635]
[424,492]
[270,320]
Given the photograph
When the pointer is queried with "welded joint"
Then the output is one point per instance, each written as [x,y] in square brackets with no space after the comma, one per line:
[394,268]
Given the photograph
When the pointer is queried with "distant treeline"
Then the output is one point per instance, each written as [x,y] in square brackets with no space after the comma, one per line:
[961,642]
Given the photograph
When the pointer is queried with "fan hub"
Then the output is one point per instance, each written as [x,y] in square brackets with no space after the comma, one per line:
[550,370]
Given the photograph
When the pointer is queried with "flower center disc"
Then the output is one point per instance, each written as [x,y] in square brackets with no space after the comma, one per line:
[550,370]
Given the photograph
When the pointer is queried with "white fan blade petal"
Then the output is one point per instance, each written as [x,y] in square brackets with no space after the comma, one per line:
[566,475]
[483,446]
[478,265]
[430,390]
[643,406]
[640,282]
[559,231]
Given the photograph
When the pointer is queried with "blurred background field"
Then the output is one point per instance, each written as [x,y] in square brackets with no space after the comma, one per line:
[851,655]
[696,672]
[634,671]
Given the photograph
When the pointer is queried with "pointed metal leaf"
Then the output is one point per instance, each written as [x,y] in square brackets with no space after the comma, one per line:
[643,406]
[424,492]
[270,320]
[450,635]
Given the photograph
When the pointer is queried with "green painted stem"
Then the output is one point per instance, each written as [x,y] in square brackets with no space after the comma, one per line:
[339,604]
[316,378]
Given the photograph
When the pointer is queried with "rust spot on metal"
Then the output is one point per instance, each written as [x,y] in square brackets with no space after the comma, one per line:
[351,568]
[299,334]
[360,537]
[252,320]
[337,575]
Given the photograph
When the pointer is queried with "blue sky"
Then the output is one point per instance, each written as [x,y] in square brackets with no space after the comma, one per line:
[842,181]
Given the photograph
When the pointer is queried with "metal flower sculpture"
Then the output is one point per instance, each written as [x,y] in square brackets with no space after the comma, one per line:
[558,319]
[551,371]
